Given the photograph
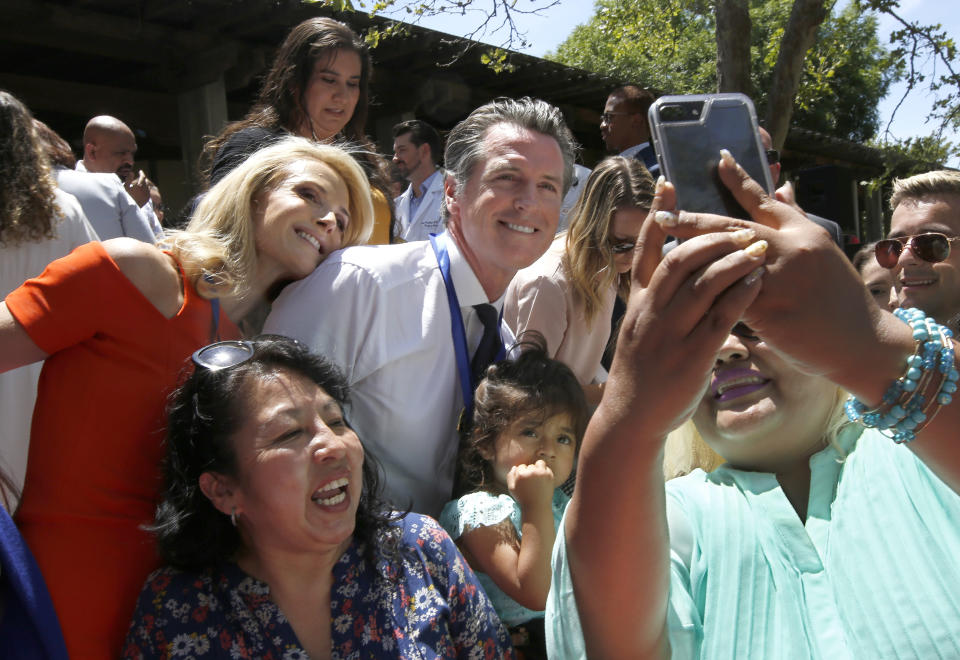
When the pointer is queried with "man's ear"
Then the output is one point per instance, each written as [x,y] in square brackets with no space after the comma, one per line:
[221,492]
[89,151]
[451,199]
[643,125]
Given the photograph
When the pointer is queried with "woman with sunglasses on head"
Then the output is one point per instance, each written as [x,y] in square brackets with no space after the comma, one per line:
[114,322]
[317,88]
[276,540]
[569,293]
[831,530]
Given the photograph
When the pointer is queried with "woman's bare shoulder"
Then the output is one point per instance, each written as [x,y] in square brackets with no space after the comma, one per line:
[151,270]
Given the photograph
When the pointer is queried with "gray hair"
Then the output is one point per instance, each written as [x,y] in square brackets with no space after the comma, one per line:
[465,143]
[921,186]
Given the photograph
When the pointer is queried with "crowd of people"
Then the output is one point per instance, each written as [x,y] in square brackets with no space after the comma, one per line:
[236,438]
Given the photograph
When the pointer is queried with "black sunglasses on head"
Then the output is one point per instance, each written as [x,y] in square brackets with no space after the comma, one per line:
[223,355]
[932,247]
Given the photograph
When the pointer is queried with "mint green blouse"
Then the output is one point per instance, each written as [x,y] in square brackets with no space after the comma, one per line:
[873,573]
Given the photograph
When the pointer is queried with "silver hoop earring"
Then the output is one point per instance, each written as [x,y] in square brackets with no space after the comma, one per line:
[233,517]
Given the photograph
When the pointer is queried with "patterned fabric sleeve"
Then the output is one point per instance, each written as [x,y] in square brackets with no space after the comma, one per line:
[145,638]
[475,628]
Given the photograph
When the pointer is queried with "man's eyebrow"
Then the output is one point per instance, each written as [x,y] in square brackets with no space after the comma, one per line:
[927,229]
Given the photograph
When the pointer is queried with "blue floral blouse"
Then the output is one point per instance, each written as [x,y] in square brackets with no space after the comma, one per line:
[429,606]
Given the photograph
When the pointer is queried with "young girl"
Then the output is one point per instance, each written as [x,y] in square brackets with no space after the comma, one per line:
[529,416]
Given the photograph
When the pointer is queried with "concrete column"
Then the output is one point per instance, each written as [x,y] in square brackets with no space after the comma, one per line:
[203,112]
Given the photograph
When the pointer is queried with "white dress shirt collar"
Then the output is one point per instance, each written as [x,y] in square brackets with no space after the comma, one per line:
[469,290]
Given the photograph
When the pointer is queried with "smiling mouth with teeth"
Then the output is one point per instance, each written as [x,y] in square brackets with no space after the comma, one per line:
[309,239]
[520,228]
[332,493]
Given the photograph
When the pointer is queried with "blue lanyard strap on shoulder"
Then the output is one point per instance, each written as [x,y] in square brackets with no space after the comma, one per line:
[457,328]
[215,323]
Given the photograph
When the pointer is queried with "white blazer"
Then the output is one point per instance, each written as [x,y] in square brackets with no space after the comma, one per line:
[428,219]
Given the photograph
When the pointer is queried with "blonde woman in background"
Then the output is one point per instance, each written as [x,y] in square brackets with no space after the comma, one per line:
[568,294]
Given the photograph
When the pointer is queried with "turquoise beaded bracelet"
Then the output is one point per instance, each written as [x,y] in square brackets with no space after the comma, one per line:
[908,404]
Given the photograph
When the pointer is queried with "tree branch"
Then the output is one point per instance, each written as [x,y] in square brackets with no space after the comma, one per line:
[805,17]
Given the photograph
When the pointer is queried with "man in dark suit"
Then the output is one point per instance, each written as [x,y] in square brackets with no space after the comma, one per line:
[624,125]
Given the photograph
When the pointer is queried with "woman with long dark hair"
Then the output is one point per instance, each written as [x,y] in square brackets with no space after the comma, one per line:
[318,87]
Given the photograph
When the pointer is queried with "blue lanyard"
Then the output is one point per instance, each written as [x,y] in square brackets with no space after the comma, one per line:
[215,322]
[457,327]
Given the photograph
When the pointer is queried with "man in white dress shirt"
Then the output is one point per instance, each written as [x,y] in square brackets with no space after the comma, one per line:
[416,149]
[385,315]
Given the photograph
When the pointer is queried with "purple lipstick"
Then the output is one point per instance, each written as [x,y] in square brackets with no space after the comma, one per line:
[736,382]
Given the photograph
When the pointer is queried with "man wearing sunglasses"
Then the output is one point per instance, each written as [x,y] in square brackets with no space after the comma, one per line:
[921,249]
[624,126]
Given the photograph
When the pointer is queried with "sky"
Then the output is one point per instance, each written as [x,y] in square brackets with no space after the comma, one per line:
[545,32]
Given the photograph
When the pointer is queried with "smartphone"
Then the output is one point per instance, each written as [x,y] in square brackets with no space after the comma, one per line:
[688,133]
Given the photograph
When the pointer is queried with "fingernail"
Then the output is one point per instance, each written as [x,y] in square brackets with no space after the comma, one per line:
[743,235]
[756,249]
[666,218]
[754,275]
[659,187]
[727,157]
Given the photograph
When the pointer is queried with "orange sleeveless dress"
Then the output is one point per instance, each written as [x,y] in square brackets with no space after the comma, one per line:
[93,473]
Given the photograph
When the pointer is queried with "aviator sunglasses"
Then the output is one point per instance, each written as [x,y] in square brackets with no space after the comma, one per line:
[933,247]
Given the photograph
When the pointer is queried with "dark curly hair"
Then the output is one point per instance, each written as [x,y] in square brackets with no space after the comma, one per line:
[532,384]
[204,413]
[28,208]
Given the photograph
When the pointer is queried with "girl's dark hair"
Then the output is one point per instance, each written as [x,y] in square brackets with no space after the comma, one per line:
[532,384]
[28,208]
[204,413]
[281,104]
